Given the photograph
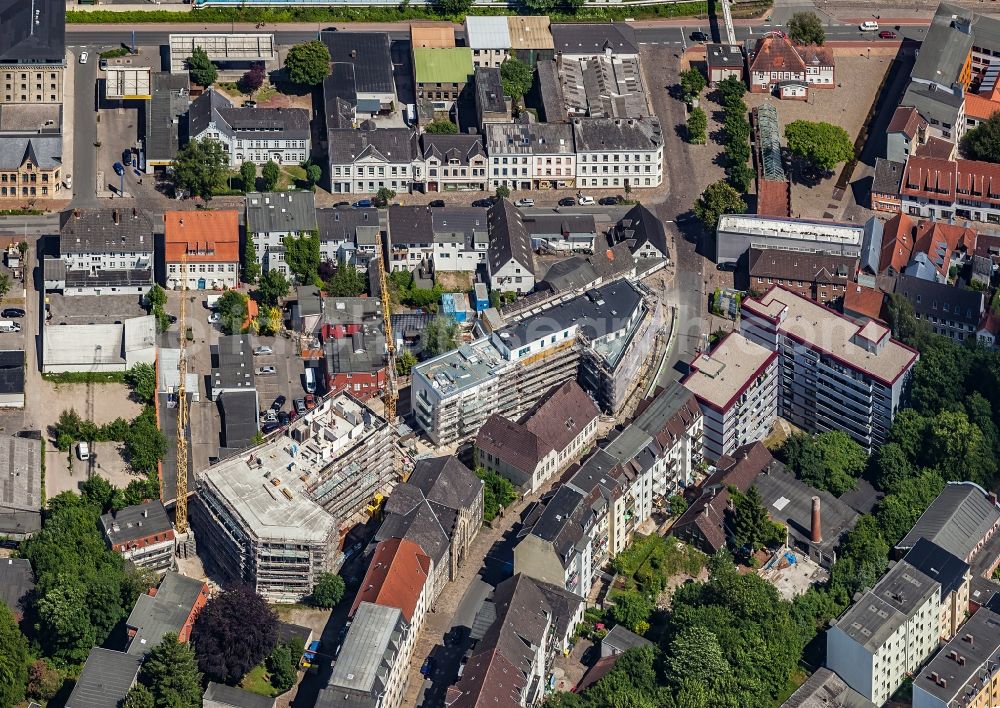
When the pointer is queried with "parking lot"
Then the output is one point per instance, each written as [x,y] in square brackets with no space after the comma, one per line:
[287,380]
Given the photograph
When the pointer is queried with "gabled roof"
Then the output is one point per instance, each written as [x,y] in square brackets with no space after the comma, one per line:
[105,680]
[206,236]
[819,268]
[16,581]
[587,39]
[959,519]
[281,212]
[945,567]
[440,35]
[43,151]
[253,123]
[105,231]
[34,33]
[448,65]
[930,298]
[906,120]
[640,226]
[487,32]
[511,442]
[452,147]
[863,301]
[447,482]
[136,522]
[509,240]
[888,175]
[561,415]
[396,577]
[897,243]
[390,145]
[165,612]
[775,52]
[410,225]
[410,516]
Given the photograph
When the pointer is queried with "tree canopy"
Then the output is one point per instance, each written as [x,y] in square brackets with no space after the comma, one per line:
[270,174]
[347,281]
[253,79]
[329,590]
[823,145]
[14,660]
[202,70]
[233,310]
[516,78]
[692,83]
[497,492]
[806,28]
[272,287]
[233,633]
[200,167]
[170,672]
[309,63]
[832,461]
[983,141]
[752,527]
[440,335]
[718,198]
[302,256]
[441,127]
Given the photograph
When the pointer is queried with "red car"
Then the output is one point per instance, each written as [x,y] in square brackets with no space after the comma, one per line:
[310,401]
[887,34]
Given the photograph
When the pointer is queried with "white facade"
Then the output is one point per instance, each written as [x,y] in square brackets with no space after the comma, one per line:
[158,556]
[259,151]
[219,276]
[452,255]
[371,173]
[607,168]
[512,276]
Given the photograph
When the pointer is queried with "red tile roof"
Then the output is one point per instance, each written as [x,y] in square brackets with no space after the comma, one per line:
[396,577]
[943,180]
[775,52]
[939,240]
[897,243]
[208,236]
[980,107]
[864,301]
[774,198]
[906,120]
[936,147]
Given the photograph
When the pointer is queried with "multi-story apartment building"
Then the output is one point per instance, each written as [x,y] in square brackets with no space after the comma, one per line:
[31,168]
[886,634]
[258,135]
[618,152]
[954,576]
[509,262]
[440,74]
[525,156]
[209,242]
[142,534]
[32,51]
[508,372]
[274,216]
[945,189]
[348,235]
[363,161]
[964,672]
[102,251]
[461,238]
[817,276]
[736,384]
[737,233]
[274,516]
[453,162]
[834,373]
[947,310]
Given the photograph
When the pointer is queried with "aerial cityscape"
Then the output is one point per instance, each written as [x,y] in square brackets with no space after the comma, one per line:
[475,354]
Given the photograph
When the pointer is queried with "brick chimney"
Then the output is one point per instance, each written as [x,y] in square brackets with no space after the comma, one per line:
[817,528]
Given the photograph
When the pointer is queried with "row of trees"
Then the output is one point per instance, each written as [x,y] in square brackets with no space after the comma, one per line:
[736,129]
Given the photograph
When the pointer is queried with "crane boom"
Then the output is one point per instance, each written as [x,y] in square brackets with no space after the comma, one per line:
[181,507]
[391,392]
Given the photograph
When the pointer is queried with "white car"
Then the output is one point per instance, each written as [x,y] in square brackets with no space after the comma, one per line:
[526,202]
[266,371]
[83,450]
[84,56]
[262,350]
[585,201]
[214,318]
[868,26]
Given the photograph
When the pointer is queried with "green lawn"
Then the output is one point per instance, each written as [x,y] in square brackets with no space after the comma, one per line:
[257,682]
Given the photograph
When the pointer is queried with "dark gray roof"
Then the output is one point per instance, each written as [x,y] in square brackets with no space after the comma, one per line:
[16,581]
[945,47]
[604,134]
[20,474]
[598,312]
[410,225]
[512,442]
[135,522]
[489,90]
[342,224]
[43,151]
[509,239]
[361,352]
[371,647]
[163,114]
[109,230]
[281,212]
[810,268]
[930,298]
[447,482]
[340,97]
[825,689]
[957,520]
[392,145]
[238,410]
[581,38]
[460,224]
[452,147]
[105,680]
[550,92]
[728,56]
[976,645]
[33,32]
[102,278]
[248,123]
[584,271]
[940,105]
[871,243]
[888,176]
[620,638]
[947,568]
[370,55]
[233,363]
[408,515]
[218,695]
[640,226]
[166,612]
[555,224]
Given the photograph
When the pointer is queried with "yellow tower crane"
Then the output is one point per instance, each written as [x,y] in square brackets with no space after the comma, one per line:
[181,508]
[391,392]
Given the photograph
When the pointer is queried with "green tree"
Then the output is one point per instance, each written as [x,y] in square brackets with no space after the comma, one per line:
[142,379]
[171,673]
[314,173]
[440,335]
[44,680]
[156,300]
[302,256]
[452,7]
[957,449]
[752,527]
[383,197]
[203,71]
[200,167]
[251,267]
[983,141]
[731,90]
[830,461]
[64,621]
[233,311]
[248,176]
[14,660]
[697,127]
[904,323]
[272,287]
[695,655]
[270,174]
[890,467]
[516,78]
[308,64]
[441,127]
[692,83]
[283,667]
[503,192]
[498,492]
[677,504]
[741,176]
[824,145]
[405,362]
[145,444]
[631,608]
[718,199]
[329,590]
[233,633]
[139,697]
[347,281]
[806,28]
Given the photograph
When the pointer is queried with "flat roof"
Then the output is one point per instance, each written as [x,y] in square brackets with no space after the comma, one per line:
[720,375]
[462,368]
[487,32]
[368,643]
[802,229]
[821,328]
[128,82]
[530,32]
[444,65]
[20,474]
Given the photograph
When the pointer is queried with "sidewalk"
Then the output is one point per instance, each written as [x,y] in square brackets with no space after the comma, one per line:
[69,104]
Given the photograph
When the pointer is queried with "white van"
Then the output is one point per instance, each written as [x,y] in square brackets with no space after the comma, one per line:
[868,26]
[9,326]
[83,450]
[310,379]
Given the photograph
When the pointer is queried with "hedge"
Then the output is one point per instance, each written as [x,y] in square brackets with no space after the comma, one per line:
[84,377]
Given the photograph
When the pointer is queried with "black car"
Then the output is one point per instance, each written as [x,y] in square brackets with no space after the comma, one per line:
[731,266]
[12,312]
[127,158]
[171,319]
[278,403]
[343,205]
[484,202]
[609,201]
[283,418]
[437,203]
[269,427]
[700,37]
[567,201]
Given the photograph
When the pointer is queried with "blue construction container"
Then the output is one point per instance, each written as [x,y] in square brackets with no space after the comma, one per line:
[456,306]
[482,297]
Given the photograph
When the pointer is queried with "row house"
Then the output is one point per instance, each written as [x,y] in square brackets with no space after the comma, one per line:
[352,336]
[257,135]
[943,189]
[426,239]
[363,161]
[350,236]
[453,162]
[202,247]
[526,156]
[618,152]
[274,216]
[818,276]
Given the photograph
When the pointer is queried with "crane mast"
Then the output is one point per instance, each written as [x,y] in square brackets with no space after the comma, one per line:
[391,392]
[181,508]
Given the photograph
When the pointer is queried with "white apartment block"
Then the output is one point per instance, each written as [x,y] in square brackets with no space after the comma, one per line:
[618,152]
[834,373]
[736,233]
[886,634]
[273,216]
[363,161]
[526,156]
[736,384]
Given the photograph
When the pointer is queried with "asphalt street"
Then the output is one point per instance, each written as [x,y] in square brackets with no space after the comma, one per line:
[85,133]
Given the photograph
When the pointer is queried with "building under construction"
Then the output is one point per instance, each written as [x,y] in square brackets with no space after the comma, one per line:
[603,338]
[274,517]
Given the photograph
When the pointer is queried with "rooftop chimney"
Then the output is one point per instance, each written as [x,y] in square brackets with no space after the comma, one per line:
[817,528]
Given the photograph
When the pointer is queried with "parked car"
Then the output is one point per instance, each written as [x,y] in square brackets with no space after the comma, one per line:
[268,428]
[249,104]
[119,168]
[300,406]
[9,326]
[283,418]
[700,37]
[428,668]
[127,157]
[567,201]
[269,416]
[279,403]
[609,201]
[12,312]
[868,26]
[587,201]
[266,371]
[363,204]
[887,34]
[730,266]
[171,319]
[83,450]
[342,205]
[488,202]
[310,401]
[84,56]
[214,318]
[262,350]
[436,203]
[526,202]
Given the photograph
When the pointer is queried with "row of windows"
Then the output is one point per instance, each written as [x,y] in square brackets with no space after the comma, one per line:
[25,191]
[204,268]
[38,87]
[33,177]
[24,76]
[624,169]
[616,157]
[24,98]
